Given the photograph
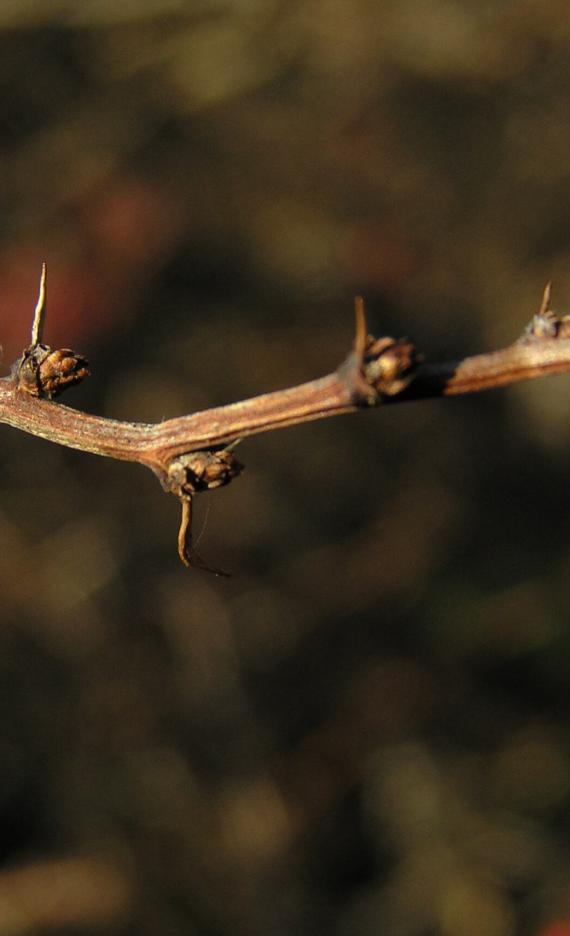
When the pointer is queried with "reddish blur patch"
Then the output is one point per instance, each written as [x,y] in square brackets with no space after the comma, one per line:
[80,304]
[123,235]
[560,928]
[379,257]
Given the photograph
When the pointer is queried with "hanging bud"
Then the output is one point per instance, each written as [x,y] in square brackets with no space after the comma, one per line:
[202,471]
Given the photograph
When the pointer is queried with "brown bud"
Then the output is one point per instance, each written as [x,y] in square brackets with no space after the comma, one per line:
[203,471]
[46,373]
[546,324]
[389,365]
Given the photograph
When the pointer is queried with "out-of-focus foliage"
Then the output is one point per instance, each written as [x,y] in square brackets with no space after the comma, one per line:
[365,730]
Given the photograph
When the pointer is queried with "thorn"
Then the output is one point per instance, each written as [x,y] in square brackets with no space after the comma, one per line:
[185,531]
[545,305]
[361,329]
[185,551]
[40,310]
[232,445]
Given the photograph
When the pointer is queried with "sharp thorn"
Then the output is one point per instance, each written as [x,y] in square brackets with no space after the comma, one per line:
[361,329]
[40,310]
[545,305]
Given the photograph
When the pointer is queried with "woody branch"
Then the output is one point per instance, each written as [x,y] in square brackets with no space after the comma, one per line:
[193,453]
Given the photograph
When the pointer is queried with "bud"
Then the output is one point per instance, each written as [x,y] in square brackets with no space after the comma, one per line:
[202,471]
[389,364]
[42,372]
[543,325]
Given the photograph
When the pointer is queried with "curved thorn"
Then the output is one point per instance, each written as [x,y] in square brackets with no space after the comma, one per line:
[185,532]
[187,555]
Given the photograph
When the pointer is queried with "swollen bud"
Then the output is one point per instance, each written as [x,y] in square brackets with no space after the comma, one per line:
[42,372]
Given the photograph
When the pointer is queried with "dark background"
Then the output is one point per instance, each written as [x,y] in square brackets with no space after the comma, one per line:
[365,730]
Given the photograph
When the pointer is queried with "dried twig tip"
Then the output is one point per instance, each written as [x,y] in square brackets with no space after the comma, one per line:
[40,310]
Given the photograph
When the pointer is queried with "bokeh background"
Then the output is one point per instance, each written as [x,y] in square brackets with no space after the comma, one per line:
[365,730]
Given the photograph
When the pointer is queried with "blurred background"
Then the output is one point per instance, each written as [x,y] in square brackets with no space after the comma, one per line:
[365,730]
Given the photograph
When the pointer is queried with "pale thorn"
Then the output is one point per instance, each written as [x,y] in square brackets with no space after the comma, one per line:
[545,305]
[40,310]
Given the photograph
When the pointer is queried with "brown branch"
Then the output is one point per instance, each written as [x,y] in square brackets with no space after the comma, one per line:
[157,444]
[193,453]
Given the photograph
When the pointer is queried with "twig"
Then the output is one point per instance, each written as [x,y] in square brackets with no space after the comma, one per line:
[193,453]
